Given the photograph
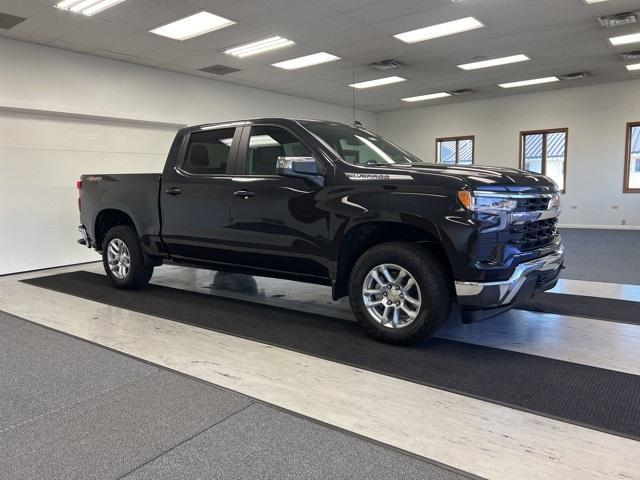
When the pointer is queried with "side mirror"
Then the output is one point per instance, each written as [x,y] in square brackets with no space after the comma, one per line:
[301,167]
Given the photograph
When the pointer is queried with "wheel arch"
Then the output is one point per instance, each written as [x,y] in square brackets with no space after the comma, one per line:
[363,235]
[108,218]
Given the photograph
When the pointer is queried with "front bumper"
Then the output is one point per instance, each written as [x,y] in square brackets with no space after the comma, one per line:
[527,279]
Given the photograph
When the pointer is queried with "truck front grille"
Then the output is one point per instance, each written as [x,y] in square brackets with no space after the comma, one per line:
[532,235]
[534,204]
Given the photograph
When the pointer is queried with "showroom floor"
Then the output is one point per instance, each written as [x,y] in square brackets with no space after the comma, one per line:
[226,376]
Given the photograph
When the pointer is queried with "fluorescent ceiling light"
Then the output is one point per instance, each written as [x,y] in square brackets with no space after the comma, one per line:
[494,62]
[87,7]
[625,39]
[306,61]
[635,66]
[440,30]
[252,48]
[192,26]
[430,96]
[594,1]
[524,83]
[378,82]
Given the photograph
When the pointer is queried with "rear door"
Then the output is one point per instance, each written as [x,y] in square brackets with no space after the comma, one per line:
[278,223]
[195,195]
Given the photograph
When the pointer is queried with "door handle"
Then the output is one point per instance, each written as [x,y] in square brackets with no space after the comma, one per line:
[173,191]
[244,194]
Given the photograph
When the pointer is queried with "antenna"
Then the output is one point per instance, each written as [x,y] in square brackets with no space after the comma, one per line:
[354,98]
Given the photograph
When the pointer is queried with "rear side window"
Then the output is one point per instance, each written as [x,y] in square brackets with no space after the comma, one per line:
[266,144]
[208,152]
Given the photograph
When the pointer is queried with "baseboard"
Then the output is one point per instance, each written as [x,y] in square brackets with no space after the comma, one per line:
[602,227]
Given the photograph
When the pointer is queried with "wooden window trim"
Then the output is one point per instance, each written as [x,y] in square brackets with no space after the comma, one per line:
[457,140]
[627,159]
[544,134]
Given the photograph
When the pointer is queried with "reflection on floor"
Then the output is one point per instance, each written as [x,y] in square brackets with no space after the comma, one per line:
[475,436]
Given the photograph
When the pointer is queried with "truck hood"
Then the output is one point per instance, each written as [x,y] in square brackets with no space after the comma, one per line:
[480,177]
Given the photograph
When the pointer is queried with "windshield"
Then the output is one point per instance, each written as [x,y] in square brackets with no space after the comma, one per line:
[360,147]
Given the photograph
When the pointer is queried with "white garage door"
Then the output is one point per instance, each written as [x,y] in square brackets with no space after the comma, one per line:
[41,157]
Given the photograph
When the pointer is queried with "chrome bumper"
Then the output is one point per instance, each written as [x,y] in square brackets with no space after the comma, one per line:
[497,294]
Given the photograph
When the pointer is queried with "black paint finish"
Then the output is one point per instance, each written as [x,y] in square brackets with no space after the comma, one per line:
[293,227]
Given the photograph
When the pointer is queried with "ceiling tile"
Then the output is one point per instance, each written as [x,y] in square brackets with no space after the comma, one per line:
[560,36]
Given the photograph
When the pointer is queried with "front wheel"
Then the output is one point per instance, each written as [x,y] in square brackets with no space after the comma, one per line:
[400,293]
[123,259]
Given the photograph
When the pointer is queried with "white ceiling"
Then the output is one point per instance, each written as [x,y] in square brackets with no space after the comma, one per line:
[560,36]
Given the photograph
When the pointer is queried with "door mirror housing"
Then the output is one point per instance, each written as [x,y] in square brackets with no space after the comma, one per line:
[301,167]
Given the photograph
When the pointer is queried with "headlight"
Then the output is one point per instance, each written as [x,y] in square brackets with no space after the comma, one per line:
[554,202]
[484,203]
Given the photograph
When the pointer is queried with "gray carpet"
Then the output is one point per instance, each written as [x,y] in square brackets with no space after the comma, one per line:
[73,410]
[602,255]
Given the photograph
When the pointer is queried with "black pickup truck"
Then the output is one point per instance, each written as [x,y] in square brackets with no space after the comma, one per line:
[336,205]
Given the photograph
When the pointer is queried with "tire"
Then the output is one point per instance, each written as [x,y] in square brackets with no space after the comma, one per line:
[138,272]
[430,293]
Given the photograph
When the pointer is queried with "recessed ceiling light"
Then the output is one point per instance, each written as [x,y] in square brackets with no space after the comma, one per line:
[377,82]
[594,1]
[524,83]
[271,43]
[440,30]
[192,26]
[430,96]
[625,39]
[494,62]
[635,66]
[87,7]
[306,61]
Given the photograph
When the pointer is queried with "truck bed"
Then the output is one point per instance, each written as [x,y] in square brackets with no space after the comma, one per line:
[136,194]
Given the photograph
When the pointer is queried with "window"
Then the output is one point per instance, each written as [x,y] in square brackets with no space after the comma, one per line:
[208,151]
[359,146]
[455,150]
[545,152]
[632,161]
[268,143]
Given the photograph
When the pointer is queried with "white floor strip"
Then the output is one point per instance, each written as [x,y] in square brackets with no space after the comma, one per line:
[479,437]
[597,343]
[615,291]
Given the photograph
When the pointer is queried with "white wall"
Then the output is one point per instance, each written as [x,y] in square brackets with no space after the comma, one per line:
[41,157]
[595,115]
[63,114]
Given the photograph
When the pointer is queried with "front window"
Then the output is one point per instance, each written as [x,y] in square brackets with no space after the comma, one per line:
[266,144]
[358,146]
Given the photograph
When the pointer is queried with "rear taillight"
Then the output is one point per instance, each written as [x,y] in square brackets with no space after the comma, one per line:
[79,187]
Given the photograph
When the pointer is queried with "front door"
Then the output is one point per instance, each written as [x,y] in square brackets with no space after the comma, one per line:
[278,222]
[194,197]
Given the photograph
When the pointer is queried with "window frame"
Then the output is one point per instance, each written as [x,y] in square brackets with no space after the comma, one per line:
[457,139]
[627,160]
[231,159]
[243,150]
[544,134]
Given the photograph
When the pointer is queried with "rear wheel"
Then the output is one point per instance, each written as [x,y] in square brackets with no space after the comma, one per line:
[123,259]
[400,293]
